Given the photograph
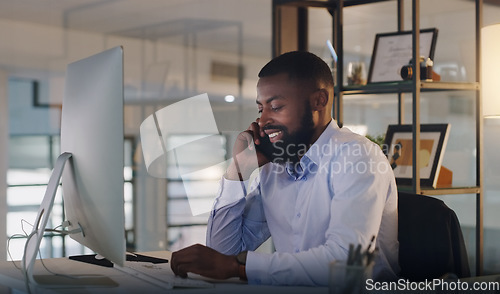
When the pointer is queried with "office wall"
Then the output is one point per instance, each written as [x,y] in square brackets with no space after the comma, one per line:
[4,137]
[151,68]
[42,52]
[156,74]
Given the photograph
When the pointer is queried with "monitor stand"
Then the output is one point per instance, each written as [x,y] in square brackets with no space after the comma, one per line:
[35,238]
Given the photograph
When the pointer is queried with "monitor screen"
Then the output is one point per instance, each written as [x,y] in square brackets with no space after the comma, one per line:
[92,131]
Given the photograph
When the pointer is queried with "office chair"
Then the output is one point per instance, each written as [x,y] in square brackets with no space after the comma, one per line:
[431,243]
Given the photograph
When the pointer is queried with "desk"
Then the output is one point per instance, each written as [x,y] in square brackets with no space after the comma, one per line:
[11,280]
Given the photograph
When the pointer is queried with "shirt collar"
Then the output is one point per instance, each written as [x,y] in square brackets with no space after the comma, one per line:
[312,158]
[315,153]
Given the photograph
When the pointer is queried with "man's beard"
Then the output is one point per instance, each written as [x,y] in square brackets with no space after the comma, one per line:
[292,146]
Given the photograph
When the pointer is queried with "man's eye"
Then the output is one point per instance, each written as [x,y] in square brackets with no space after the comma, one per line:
[260,110]
[276,108]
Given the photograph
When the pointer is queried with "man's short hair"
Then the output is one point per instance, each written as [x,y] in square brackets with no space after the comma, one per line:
[299,65]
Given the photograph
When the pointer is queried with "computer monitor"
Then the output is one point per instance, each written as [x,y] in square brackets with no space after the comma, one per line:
[92,131]
[92,150]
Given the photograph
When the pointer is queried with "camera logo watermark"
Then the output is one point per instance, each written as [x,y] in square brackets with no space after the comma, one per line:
[169,138]
[182,140]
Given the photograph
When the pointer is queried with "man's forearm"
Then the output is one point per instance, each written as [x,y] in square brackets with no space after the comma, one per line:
[232,173]
[237,222]
[240,169]
[224,229]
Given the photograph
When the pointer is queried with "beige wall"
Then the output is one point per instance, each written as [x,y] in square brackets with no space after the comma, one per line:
[42,52]
[4,136]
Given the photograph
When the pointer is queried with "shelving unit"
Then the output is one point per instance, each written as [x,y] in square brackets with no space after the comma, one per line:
[405,87]
[290,33]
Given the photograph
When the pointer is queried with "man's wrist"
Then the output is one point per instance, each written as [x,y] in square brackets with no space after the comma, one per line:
[242,274]
[241,258]
[233,174]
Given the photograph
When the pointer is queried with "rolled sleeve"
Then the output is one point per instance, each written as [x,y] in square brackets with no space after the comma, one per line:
[229,193]
[237,221]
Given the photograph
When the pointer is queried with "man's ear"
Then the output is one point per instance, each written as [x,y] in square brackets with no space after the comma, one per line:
[319,99]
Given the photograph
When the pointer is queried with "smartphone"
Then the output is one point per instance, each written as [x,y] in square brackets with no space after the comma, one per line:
[266,147]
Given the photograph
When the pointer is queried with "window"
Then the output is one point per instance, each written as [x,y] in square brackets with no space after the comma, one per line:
[202,166]
[31,161]
[33,149]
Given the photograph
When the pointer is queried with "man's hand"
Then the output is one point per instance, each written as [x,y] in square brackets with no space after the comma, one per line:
[204,261]
[246,157]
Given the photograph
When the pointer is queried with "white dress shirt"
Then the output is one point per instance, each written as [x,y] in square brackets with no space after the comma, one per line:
[342,192]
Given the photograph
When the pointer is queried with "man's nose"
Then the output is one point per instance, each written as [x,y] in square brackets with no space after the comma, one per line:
[264,119]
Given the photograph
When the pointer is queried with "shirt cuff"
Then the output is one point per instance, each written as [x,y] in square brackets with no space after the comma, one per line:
[256,268]
[230,192]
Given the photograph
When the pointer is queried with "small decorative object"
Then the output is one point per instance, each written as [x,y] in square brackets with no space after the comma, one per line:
[426,73]
[393,50]
[356,73]
[398,148]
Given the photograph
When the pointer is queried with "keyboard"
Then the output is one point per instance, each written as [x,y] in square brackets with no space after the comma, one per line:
[161,275]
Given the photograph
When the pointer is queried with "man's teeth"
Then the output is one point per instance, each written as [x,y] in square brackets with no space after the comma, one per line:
[274,134]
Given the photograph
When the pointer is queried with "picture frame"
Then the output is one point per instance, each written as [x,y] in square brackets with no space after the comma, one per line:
[398,147]
[391,51]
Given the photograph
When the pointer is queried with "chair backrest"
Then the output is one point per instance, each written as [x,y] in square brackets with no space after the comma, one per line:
[431,243]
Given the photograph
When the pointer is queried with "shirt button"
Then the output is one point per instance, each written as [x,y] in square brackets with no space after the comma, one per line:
[298,214]
[297,250]
[304,179]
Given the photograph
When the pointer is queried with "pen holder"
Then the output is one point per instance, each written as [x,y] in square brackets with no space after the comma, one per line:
[348,279]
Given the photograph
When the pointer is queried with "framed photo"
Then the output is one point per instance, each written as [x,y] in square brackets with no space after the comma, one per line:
[398,148]
[393,50]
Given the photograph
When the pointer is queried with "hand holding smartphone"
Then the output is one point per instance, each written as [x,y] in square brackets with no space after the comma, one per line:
[250,151]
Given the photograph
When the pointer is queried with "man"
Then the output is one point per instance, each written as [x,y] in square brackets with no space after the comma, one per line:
[319,189]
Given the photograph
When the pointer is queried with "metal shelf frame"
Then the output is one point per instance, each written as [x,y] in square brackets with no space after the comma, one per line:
[405,87]
[290,33]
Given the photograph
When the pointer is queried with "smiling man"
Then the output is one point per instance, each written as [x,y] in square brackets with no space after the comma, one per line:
[319,189]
